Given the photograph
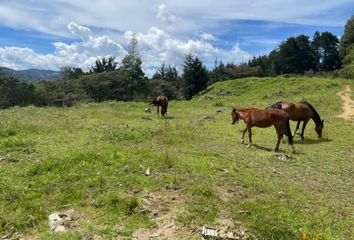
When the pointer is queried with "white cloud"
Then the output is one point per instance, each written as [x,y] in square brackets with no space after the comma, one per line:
[188,17]
[164,15]
[80,31]
[78,54]
[156,46]
[207,37]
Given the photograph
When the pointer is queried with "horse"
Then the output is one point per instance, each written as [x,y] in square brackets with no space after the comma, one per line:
[301,112]
[161,101]
[263,118]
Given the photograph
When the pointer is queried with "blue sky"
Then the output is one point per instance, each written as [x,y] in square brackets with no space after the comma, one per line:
[51,34]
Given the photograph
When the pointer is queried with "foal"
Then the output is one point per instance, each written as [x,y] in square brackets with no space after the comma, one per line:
[263,118]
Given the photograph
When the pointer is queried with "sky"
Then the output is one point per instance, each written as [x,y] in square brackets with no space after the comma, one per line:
[51,34]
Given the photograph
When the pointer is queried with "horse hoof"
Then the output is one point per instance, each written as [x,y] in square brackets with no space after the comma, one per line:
[276,149]
[249,145]
[242,141]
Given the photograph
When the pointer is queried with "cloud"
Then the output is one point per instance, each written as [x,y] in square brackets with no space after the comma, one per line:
[78,54]
[80,31]
[164,15]
[156,46]
[207,37]
[51,17]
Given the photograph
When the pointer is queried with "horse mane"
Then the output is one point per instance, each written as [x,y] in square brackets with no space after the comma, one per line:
[316,117]
[276,105]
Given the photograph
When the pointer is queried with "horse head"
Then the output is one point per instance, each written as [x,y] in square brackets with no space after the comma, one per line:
[235,116]
[319,128]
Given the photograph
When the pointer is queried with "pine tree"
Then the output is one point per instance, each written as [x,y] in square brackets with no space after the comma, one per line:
[132,67]
[195,76]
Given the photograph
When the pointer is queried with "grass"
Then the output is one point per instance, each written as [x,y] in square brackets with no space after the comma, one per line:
[92,158]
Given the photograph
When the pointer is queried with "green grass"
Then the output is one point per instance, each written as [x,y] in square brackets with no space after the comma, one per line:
[92,158]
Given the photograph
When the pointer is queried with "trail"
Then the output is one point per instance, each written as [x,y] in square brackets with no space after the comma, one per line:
[348,103]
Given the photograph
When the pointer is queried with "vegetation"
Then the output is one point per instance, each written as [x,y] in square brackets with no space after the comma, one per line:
[346,50]
[92,158]
[195,76]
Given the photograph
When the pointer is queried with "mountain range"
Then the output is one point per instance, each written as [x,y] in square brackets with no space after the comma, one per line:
[31,74]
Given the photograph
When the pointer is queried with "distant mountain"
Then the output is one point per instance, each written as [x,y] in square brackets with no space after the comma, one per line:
[31,74]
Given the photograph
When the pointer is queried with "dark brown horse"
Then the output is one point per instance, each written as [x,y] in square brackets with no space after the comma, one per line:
[263,118]
[301,112]
[163,102]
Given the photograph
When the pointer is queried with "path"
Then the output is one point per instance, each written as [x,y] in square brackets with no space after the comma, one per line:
[348,103]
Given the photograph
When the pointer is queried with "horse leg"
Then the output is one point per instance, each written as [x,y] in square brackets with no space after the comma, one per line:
[243,136]
[158,110]
[297,127]
[249,137]
[280,136]
[303,128]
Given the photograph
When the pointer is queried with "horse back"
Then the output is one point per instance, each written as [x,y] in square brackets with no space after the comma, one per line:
[265,117]
[162,100]
[297,111]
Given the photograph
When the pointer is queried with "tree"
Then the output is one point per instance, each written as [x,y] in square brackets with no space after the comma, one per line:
[325,46]
[14,92]
[347,39]
[104,65]
[295,55]
[169,73]
[131,66]
[195,76]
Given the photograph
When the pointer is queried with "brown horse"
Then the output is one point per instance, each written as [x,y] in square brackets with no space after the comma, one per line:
[263,118]
[301,112]
[163,102]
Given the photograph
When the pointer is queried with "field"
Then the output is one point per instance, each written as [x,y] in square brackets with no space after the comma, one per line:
[92,158]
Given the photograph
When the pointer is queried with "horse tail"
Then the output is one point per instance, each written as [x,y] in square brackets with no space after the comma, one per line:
[290,136]
[276,105]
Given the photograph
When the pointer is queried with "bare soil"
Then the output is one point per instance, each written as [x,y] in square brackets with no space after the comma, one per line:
[348,104]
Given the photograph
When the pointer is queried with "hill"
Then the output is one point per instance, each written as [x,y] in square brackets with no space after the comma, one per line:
[92,158]
[31,74]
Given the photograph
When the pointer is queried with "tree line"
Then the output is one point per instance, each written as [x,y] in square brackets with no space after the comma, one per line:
[108,80]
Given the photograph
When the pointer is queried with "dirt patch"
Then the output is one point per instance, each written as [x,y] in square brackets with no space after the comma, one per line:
[348,104]
[163,207]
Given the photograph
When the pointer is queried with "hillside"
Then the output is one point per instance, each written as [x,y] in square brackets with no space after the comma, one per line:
[31,74]
[92,158]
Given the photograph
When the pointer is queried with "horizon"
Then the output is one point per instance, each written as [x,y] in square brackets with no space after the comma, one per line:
[47,36]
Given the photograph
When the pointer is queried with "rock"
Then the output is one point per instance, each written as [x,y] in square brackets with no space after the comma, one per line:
[206,117]
[245,212]
[209,232]
[61,222]
[147,110]
[57,222]
[283,157]
[147,172]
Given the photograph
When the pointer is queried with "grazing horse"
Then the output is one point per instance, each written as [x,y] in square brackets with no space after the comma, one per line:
[163,102]
[301,112]
[263,118]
